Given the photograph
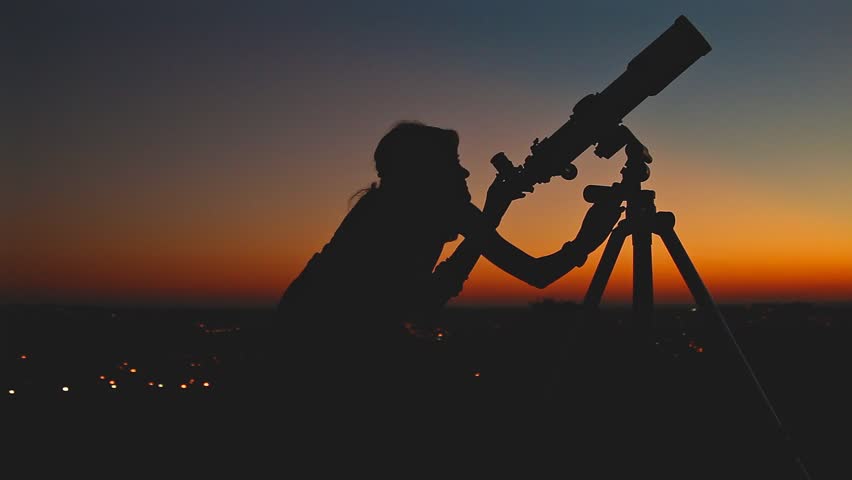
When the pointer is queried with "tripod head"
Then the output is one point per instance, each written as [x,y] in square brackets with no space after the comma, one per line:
[634,172]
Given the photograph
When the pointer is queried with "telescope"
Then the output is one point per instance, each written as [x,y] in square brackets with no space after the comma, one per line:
[596,118]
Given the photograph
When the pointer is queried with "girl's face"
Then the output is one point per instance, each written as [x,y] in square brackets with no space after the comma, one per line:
[453,179]
[439,191]
[453,189]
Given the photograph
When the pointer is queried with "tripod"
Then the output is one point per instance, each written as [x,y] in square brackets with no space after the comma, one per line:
[642,221]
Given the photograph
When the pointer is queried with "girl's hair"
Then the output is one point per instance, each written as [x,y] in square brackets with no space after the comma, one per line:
[406,150]
[360,193]
[409,147]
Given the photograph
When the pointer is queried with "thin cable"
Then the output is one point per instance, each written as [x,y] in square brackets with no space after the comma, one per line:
[763,394]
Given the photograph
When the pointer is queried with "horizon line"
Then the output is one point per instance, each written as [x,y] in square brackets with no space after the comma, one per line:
[531,304]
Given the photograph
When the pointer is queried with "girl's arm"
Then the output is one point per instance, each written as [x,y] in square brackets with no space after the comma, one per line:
[481,238]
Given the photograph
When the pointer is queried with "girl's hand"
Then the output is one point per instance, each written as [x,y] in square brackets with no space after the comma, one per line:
[503,191]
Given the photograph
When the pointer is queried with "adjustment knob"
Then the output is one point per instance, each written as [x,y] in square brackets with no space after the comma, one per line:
[636,150]
[569,172]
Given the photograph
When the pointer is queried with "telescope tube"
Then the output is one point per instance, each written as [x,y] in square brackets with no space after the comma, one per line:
[596,115]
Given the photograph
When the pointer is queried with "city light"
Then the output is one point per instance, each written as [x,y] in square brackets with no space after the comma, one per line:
[200,371]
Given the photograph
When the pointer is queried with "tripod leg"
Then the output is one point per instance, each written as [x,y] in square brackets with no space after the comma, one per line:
[606,264]
[664,227]
[643,277]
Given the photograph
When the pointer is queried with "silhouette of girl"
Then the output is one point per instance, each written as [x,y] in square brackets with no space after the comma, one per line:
[349,304]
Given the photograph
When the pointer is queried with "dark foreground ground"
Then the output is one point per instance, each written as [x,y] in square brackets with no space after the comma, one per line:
[586,396]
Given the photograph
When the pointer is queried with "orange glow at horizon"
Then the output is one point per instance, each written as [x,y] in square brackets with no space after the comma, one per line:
[751,273]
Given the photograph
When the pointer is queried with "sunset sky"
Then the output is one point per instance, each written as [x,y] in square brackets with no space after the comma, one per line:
[201,154]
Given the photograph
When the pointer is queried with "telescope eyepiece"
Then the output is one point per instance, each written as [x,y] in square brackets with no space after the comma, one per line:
[502,163]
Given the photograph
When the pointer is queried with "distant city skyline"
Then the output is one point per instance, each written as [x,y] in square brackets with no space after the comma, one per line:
[177,155]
